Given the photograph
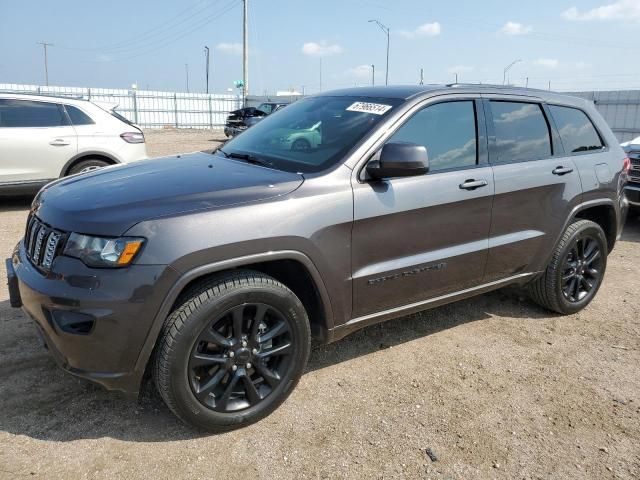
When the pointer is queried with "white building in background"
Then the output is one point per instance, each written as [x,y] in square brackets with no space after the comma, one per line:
[288,93]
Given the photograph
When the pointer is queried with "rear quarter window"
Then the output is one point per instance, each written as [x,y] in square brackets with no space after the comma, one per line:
[78,117]
[576,130]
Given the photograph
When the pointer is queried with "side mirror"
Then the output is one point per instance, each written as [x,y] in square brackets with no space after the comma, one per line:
[399,160]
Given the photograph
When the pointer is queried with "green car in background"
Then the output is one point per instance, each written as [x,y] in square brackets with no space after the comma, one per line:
[302,137]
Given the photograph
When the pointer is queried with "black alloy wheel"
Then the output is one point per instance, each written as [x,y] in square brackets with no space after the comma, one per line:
[575,271]
[582,269]
[240,357]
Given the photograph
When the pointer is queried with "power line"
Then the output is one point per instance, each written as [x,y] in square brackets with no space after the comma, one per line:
[203,23]
[129,43]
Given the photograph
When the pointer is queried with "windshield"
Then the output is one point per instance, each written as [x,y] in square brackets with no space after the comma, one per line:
[265,107]
[311,134]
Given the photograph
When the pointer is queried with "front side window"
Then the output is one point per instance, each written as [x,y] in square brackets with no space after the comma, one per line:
[311,134]
[26,113]
[576,130]
[78,117]
[447,130]
[521,131]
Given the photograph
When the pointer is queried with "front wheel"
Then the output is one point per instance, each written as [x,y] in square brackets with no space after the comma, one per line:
[233,351]
[576,270]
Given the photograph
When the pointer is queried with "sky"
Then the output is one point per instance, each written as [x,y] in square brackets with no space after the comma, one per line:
[573,44]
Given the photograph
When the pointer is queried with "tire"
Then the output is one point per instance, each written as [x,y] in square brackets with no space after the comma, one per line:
[570,265]
[300,145]
[87,166]
[217,397]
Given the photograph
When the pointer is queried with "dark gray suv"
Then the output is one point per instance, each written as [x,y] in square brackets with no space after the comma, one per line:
[214,273]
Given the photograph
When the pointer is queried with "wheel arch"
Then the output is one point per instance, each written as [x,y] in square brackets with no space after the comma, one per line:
[292,268]
[80,157]
[604,214]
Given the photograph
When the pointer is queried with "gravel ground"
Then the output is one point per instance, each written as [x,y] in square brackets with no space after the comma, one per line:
[491,387]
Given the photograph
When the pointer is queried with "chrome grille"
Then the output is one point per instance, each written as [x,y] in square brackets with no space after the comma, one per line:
[42,243]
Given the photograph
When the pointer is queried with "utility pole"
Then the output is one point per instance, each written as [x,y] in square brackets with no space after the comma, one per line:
[456,74]
[245,53]
[373,75]
[186,69]
[385,29]
[506,69]
[46,67]
[526,83]
[206,72]
[421,76]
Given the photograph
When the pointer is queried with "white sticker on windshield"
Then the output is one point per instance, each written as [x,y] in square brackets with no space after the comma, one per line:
[375,108]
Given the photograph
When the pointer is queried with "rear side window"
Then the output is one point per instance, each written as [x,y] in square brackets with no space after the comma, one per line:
[78,117]
[26,113]
[521,130]
[576,130]
[447,130]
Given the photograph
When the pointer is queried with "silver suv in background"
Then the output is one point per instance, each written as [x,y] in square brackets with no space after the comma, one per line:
[43,138]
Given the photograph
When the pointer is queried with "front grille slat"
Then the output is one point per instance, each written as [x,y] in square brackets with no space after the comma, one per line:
[50,250]
[37,248]
[42,243]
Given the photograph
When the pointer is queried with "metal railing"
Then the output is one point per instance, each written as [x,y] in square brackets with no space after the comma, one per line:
[149,109]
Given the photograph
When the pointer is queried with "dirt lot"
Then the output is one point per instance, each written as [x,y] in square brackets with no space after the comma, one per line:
[494,386]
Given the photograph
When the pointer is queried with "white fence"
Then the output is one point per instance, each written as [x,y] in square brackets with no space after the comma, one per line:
[621,110]
[149,109]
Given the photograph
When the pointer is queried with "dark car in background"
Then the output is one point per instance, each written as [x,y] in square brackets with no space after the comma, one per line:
[243,118]
[632,187]
[215,274]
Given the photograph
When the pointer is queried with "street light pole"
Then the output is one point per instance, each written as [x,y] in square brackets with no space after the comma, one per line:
[373,75]
[186,70]
[206,74]
[46,66]
[385,29]
[506,69]
[245,52]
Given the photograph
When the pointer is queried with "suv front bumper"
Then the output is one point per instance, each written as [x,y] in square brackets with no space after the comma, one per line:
[632,192]
[94,321]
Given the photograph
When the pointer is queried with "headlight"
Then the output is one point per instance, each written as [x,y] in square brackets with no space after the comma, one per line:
[103,252]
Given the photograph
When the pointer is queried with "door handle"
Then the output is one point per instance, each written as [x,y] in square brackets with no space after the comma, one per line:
[59,142]
[560,170]
[473,184]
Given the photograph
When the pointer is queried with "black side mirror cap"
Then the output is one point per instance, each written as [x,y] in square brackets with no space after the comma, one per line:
[399,159]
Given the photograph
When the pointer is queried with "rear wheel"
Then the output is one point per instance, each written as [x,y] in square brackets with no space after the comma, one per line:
[575,271]
[87,166]
[233,351]
[300,144]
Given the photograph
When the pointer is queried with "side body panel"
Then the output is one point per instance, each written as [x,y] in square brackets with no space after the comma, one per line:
[35,153]
[530,207]
[420,237]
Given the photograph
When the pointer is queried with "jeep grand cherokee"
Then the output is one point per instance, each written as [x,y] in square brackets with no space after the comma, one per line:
[215,273]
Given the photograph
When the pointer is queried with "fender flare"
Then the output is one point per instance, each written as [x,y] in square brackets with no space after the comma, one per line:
[186,277]
[90,153]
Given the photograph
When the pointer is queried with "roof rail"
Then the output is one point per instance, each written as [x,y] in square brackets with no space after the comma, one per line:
[492,85]
[70,96]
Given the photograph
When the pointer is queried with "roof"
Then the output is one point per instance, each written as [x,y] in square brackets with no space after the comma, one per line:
[406,92]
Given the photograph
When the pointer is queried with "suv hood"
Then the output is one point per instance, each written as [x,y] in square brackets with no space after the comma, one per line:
[112,200]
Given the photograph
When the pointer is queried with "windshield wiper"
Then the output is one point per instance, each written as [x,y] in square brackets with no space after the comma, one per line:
[247,158]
